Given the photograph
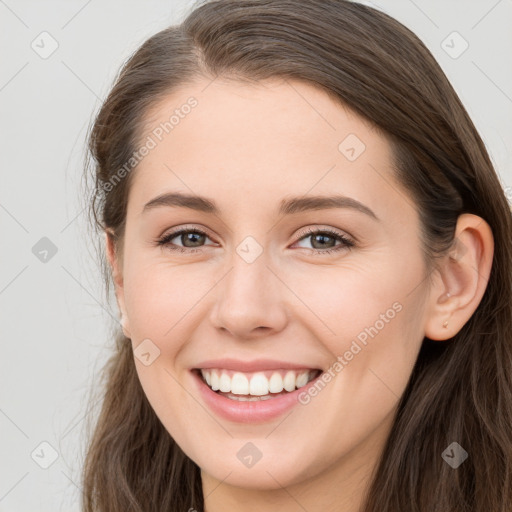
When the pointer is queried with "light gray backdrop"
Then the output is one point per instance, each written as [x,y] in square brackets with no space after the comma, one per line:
[58,61]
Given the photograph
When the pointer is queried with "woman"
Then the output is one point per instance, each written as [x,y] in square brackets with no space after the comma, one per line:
[311,255]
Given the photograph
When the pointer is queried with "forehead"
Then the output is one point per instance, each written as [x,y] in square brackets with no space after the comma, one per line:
[260,142]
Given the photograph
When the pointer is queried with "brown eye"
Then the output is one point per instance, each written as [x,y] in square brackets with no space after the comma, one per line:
[189,238]
[325,241]
[193,238]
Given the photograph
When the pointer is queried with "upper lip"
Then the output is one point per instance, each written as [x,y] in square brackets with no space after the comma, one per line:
[252,366]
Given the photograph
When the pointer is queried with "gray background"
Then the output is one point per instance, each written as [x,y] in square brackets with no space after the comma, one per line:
[55,318]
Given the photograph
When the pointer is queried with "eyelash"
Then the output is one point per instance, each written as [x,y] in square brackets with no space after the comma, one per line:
[346,244]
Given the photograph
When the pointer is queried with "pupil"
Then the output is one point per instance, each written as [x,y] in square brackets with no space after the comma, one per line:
[323,237]
[188,239]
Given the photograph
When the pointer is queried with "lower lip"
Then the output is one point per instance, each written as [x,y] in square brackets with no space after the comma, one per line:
[246,411]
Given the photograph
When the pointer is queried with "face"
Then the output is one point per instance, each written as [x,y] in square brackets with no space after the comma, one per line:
[266,283]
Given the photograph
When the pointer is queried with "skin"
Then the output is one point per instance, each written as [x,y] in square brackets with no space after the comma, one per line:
[247,147]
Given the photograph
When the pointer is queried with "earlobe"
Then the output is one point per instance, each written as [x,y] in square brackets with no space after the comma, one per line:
[462,280]
[117,278]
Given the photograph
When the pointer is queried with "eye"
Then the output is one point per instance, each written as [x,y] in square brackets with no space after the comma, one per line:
[191,239]
[325,241]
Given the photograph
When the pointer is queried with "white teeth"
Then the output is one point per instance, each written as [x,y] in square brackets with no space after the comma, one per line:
[239,384]
[215,380]
[224,383]
[302,380]
[248,398]
[257,384]
[275,384]
[289,381]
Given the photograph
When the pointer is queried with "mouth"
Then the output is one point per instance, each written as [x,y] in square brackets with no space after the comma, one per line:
[255,386]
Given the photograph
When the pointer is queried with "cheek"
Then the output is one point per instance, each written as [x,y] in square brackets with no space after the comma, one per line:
[157,296]
[354,300]
[369,320]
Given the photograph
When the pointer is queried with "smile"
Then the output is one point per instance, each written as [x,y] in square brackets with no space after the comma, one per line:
[252,397]
[253,386]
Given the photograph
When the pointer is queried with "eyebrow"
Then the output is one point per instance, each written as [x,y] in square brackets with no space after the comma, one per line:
[287,206]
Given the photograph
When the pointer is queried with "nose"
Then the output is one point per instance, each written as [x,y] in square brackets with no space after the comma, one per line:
[250,300]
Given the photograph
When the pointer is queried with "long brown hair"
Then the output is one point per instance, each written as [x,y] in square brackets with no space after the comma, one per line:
[460,390]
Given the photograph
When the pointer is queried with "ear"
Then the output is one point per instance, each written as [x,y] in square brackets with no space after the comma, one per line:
[462,278]
[115,267]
